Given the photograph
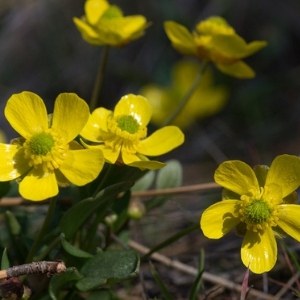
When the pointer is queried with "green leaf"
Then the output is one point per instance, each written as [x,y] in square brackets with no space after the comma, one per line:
[13,223]
[108,265]
[101,295]
[4,260]
[145,182]
[72,250]
[58,281]
[76,216]
[170,176]
[165,292]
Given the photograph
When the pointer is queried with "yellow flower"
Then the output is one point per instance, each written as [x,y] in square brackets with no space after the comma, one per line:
[122,133]
[205,101]
[258,205]
[45,155]
[215,40]
[104,24]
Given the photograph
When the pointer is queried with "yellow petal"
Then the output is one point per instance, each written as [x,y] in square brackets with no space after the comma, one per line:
[136,106]
[70,115]
[123,29]
[219,219]
[181,39]
[147,164]
[234,46]
[239,70]
[94,9]
[82,166]
[161,141]
[97,122]
[289,219]
[12,162]
[26,113]
[259,251]
[37,186]
[88,33]
[237,177]
[285,172]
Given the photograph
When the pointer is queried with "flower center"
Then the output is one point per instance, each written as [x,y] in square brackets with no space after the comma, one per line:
[128,123]
[45,149]
[257,212]
[41,143]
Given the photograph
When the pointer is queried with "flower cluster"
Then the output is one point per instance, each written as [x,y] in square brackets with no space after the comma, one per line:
[104,24]
[47,156]
[215,40]
[260,203]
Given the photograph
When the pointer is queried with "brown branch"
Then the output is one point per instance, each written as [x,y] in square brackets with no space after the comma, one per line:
[39,267]
[193,271]
[195,188]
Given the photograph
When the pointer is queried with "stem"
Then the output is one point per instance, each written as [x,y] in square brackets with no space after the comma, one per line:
[43,230]
[188,95]
[99,78]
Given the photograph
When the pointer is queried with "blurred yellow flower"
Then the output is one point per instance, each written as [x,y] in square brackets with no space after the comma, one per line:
[122,134]
[104,24]
[257,203]
[215,40]
[45,155]
[2,137]
[206,100]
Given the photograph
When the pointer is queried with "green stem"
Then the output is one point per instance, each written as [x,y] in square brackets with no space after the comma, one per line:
[171,239]
[99,78]
[43,230]
[188,95]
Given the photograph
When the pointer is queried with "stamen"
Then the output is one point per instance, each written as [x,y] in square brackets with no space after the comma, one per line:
[257,212]
[41,143]
[128,123]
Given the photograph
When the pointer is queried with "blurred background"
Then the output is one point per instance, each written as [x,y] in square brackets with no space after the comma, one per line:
[42,51]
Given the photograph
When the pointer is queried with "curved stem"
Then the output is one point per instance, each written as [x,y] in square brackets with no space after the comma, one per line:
[188,95]
[43,230]
[99,78]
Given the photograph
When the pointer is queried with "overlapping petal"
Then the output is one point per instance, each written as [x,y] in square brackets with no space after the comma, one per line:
[219,219]
[180,37]
[285,172]
[259,250]
[12,162]
[38,186]
[26,113]
[88,33]
[94,9]
[82,166]
[136,106]
[161,141]
[289,219]
[67,108]
[96,124]
[237,177]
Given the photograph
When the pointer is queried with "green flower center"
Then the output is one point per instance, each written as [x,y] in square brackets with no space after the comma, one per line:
[41,143]
[257,212]
[128,123]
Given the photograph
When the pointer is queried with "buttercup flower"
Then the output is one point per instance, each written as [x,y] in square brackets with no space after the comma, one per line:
[46,156]
[121,134]
[206,100]
[104,24]
[215,40]
[258,203]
